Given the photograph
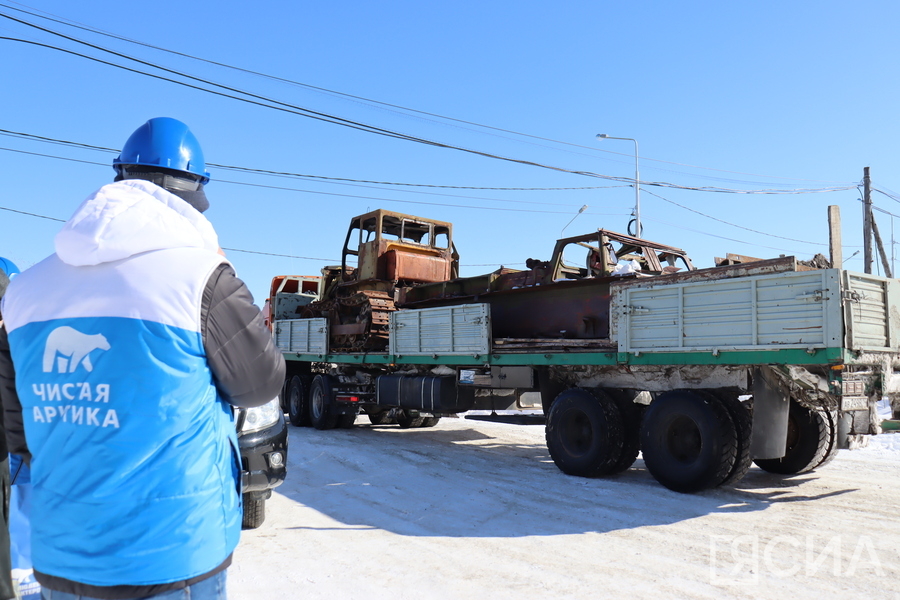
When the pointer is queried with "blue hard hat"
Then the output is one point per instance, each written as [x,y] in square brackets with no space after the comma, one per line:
[8,267]
[164,142]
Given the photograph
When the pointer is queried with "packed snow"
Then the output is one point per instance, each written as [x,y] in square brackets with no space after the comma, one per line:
[477,509]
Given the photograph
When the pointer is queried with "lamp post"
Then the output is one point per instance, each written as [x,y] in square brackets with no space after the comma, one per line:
[580,210]
[637,182]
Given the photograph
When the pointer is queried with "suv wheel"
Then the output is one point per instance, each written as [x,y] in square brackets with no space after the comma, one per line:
[254,512]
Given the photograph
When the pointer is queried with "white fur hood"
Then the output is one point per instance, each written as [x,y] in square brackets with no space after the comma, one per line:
[129,217]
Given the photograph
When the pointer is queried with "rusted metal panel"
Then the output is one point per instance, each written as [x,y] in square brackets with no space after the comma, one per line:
[572,309]
[416,266]
[761,267]
[654,379]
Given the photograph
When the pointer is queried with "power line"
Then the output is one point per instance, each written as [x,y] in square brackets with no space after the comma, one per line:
[891,196]
[326,260]
[442,204]
[22,212]
[730,223]
[39,216]
[301,111]
[355,196]
[39,138]
[594,149]
[52,140]
[261,100]
[721,237]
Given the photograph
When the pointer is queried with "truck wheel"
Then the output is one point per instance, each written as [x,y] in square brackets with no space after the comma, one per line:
[584,433]
[831,418]
[631,428]
[284,395]
[808,442]
[743,422]
[321,411]
[410,419]
[298,401]
[254,512]
[381,418]
[430,421]
[689,441]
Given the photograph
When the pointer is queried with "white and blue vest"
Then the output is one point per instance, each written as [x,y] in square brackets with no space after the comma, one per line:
[135,462]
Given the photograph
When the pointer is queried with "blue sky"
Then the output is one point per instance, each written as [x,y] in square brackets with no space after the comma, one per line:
[783,96]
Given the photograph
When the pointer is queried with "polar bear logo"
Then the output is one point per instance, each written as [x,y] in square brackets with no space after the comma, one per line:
[69,348]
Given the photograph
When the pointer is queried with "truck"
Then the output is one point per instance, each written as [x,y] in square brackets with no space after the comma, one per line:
[623,343]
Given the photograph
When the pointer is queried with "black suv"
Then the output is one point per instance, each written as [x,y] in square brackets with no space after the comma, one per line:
[262,438]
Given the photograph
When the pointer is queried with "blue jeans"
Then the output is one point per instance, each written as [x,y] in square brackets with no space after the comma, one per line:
[212,588]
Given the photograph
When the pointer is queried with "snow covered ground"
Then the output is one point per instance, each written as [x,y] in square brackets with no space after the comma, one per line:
[475,509]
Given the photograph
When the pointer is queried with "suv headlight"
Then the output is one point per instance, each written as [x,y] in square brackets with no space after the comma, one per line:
[261,416]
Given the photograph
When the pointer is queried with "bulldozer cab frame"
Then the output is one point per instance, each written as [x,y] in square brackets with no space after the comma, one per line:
[400,248]
[600,253]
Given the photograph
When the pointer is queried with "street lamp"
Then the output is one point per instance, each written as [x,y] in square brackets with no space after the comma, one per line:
[637,181]
[580,210]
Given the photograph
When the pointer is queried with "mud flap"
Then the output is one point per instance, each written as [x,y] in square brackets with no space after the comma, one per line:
[770,415]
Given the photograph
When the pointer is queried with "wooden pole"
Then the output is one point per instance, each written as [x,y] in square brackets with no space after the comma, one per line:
[884,258]
[834,237]
[867,222]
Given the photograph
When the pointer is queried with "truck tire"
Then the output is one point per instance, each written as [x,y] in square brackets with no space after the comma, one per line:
[831,418]
[381,418]
[298,401]
[743,422]
[631,428]
[689,441]
[430,421]
[584,433]
[410,419]
[254,512]
[284,394]
[321,405]
[809,440]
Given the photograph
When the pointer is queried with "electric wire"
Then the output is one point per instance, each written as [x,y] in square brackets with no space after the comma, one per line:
[262,100]
[39,216]
[732,224]
[721,237]
[356,196]
[29,136]
[301,111]
[79,144]
[441,204]
[364,99]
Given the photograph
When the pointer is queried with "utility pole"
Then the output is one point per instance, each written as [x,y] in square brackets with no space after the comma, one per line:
[867,222]
[881,252]
[834,237]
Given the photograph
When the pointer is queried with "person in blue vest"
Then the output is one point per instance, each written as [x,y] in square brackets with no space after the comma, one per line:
[7,585]
[23,581]
[121,357]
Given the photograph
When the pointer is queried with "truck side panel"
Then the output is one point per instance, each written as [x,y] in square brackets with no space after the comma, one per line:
[302,336]
[785,310]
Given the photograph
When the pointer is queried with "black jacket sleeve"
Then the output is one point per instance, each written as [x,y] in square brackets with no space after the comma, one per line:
[247,366]
[12,408]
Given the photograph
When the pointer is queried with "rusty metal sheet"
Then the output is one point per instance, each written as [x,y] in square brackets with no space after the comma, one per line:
[761,267]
